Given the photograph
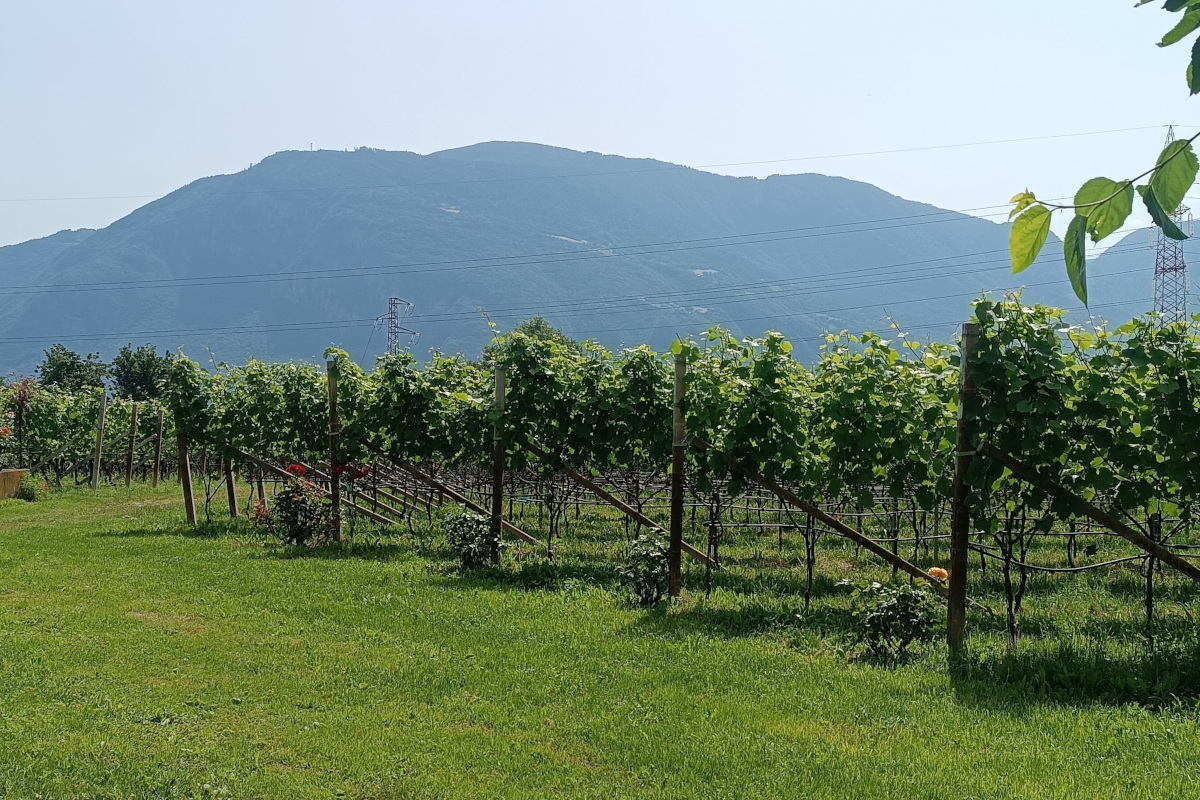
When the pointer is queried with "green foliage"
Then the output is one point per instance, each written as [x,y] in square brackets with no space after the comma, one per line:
[44,420]
[1105,204]
[1028,234]
[645,572]
[536,327]
[1174,175]
[33,489]
[471,538]
[1075,246]
[139,374]
[71,372]
[1107,413]
[1110,414]
[188,393]
[300,515]
[890,618]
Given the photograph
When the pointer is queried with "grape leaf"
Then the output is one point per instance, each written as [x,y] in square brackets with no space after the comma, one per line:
[1027,237]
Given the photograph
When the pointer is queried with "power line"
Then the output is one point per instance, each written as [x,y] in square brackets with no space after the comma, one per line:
[359,322]
[485,262]
[669,168]
[819,312]
[767,288]
[457,265]
[273,328]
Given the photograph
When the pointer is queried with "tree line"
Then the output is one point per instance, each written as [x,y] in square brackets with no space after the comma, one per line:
[133,374]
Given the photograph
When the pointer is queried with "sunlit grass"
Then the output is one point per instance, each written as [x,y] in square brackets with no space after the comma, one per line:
[138,659]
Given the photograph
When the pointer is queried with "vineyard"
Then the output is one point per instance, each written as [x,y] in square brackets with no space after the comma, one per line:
[1061,450]
[55,432]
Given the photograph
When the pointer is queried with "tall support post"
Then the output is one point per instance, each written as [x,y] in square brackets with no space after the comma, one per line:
[230,490]
[185,479]
[678,457]
[498,462]
[132,446]
[158,433]
[960,519]
[99,440]
[335,481]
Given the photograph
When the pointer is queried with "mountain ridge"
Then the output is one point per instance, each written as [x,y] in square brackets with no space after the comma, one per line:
[514,229]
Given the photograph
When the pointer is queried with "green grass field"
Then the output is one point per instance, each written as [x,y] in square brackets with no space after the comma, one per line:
[138,659]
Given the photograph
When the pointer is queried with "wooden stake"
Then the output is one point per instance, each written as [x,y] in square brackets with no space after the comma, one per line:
[678,456]
[839,527]
[230,491]
[618,503]
[1085,509]
[158,432]
[99,440]
[274,470]
[335,481]
[498,462]
[132,446]
[960,515]
[453,494]
[185,480]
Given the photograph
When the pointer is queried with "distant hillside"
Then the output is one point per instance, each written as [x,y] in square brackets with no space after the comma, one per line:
[623,250]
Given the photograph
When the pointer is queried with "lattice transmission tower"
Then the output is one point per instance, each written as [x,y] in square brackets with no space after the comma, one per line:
[398,309]
[1170,267]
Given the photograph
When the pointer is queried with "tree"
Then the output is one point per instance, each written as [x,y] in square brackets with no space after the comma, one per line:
[138,374]
[536,328]
[67,370]
[1102,205]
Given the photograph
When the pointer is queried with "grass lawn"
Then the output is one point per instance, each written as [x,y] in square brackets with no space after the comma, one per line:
[138,659]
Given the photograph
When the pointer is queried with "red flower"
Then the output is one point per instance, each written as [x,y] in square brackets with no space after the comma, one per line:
[4,432]
[297,470]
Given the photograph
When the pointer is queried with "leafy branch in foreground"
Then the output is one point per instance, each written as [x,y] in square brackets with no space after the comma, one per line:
[1102,205]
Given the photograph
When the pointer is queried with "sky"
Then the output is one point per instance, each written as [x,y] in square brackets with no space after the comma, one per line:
[108,105]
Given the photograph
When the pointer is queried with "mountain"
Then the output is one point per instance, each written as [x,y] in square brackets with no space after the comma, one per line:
[622,250]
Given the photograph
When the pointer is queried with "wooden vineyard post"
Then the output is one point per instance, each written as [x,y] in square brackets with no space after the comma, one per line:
[158,432]
[132,446]
[185,479]
[960,517]
[335,479]
[230,491]
[498,462]
[99,440]
[678,456]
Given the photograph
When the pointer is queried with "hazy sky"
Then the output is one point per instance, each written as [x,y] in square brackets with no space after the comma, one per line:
[137,98]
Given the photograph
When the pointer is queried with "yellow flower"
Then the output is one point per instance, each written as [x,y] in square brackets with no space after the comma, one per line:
[939,573]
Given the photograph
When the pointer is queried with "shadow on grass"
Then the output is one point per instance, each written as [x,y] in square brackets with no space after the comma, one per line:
[1084,670]
[345,551]
[537,575]
[1132,586]
[204,530]
[749,617]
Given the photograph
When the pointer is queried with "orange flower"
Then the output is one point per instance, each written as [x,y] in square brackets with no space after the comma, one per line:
[939,573]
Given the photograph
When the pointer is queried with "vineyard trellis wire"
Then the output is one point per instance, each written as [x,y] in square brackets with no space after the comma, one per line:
[863,443]
[54,433]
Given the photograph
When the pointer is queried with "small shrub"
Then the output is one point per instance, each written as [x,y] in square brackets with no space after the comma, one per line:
[300,515]
[891,618]
[33,489]
[471,538]
[645,569]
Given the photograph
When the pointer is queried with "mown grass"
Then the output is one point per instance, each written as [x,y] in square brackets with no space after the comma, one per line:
[140,659]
